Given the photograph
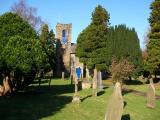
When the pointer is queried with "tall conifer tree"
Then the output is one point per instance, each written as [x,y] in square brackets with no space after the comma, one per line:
[153,47]
[91,43]
[47,39]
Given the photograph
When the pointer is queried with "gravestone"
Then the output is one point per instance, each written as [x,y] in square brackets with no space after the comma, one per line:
[6,85]
[77,76]
[151,95]
[88,77]
[62,75]
[99,81]
[95,83]
[115,105]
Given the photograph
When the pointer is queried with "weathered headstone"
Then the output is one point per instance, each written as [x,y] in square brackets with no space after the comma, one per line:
[62,75]
[99,81]
[151,95]
[95,83]
[87,74]
[6,85]
[77,75]
[115,105]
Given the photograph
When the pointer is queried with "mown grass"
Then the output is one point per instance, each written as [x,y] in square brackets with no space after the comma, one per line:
[144,88]
[137,85]
[54,103]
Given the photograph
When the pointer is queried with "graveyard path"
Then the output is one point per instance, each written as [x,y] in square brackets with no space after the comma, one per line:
[140,93]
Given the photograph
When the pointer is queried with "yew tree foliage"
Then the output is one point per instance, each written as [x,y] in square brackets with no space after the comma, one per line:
[12,25]
[153,47]
[23,54]
[123,43]
[20,49]
[91,42]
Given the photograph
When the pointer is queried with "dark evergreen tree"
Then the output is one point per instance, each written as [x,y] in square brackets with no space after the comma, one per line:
[44,36]
[153,47]
[123,43]
[91,43]
[24,57]
[20,51]
[12,25]
[48,43]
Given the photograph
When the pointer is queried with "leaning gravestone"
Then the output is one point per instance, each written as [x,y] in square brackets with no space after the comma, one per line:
[151,95]
[115,105]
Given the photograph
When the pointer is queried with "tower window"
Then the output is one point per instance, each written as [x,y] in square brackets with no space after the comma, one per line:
[64,36]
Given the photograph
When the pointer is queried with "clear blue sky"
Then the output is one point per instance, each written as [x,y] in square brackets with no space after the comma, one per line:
[133,13]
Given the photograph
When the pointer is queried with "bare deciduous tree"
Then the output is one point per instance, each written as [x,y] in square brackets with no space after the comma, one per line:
[27,13]
[121,70]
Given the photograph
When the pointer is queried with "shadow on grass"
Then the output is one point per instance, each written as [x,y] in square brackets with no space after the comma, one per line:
[125,117]
[126,91]
[105,87]
[42,81]
[132,82]
[35,103]
[53,89]
[85,98]
[125,103]
[100,93]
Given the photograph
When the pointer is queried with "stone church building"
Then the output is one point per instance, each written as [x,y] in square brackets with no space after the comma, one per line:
[65,50]
[67,61]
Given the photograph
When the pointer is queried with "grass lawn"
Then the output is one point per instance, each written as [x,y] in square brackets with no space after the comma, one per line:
[144,88]
[139,87]
[54,103]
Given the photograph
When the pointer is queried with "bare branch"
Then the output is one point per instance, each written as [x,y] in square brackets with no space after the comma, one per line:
[27,13]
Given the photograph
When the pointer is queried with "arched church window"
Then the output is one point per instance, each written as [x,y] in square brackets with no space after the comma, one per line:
[64,36]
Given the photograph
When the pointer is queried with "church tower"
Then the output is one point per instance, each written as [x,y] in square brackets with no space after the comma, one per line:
[63,36]
[63,32]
